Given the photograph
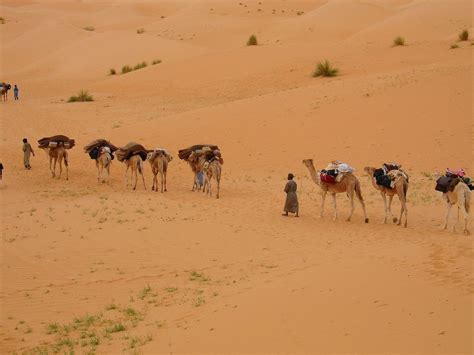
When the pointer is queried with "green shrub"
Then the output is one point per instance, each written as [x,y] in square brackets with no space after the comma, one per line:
[126,69]
[325,69]
[252,41]
[112,71]
[398,41]
[464,35]
[89,28]
[156,61]
[140,31]
[140,65]
[83,96]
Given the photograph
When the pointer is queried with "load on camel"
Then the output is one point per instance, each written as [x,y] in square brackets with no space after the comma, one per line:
[337,178]
[199,157]
[159,159]
[133,155]
[391,180]
[102,151]
[456,189]
[56,148]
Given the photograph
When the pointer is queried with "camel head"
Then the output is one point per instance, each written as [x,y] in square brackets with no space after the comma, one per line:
[308,162]
[369,170]
[170,157]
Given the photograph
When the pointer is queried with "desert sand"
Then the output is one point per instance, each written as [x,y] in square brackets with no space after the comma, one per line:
[99,268]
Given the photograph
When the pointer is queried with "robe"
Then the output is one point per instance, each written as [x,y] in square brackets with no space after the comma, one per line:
[291,203]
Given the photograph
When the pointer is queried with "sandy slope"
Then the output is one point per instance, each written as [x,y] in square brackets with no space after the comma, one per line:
[184,273]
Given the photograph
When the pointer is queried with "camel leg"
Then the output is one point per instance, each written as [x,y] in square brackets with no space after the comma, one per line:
[403,209]
[448,212]
[209,186]
[324,193]
[384,198]
[162,181]
[66,164]
[51,166]
[334,205]
[351,198]
[143,178]
[164,174]
[98,170]
[60,163]
[390,200]
[134,172]
[466,215]
[218,180]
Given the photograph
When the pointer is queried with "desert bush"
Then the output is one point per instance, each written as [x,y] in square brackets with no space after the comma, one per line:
[89,28]
[140,65]
[140,31]
[454,46]
[252,41]
[83,96]
[325,69]
[398,41]
[2,21]
[156,61]
[112,71]
[464,35]
[126,69]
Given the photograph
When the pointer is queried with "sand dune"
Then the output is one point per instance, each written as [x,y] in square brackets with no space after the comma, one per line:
[101,268]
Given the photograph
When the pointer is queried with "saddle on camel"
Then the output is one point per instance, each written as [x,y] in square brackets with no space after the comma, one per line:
[194,153]
[387,175]
[334,171]
[131,149]
[451,178]
[93,148]
[56,141]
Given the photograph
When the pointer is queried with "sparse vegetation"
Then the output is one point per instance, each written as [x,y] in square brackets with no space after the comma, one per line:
[156,61]
[140,31]
[143,293]
[398,41]
[454,46]
[196,276]
[83,96]
[118,327]
[126,69]
[464,35]
[140,65]
[89,28]
[325,69]
[252,41]
[2,21]
[112,71]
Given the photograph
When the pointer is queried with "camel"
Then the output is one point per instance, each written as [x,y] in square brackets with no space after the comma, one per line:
[56,154]
[102,163]
[135,164]
[348,184]
[212,170]
[159,164]
[461,195]
[400,189]
[197,167]
[4,87]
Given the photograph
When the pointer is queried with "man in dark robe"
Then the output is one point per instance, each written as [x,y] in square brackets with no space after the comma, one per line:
[291,203]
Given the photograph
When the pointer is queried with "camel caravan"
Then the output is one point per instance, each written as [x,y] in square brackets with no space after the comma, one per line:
[206,163]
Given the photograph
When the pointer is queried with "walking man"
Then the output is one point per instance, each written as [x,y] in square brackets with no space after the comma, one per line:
[27,151]
[15,92]
[291,203]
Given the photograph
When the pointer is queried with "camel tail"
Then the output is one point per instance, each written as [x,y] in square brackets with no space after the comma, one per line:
[358,191]
[140,167]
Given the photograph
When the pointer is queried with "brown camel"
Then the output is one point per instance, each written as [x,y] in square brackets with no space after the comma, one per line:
[102,163]
[400,189]
[461,195]
[135,164]
[197,167]
[159,164]
[4,87]
[348,184]
[56,154]
[212,170]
